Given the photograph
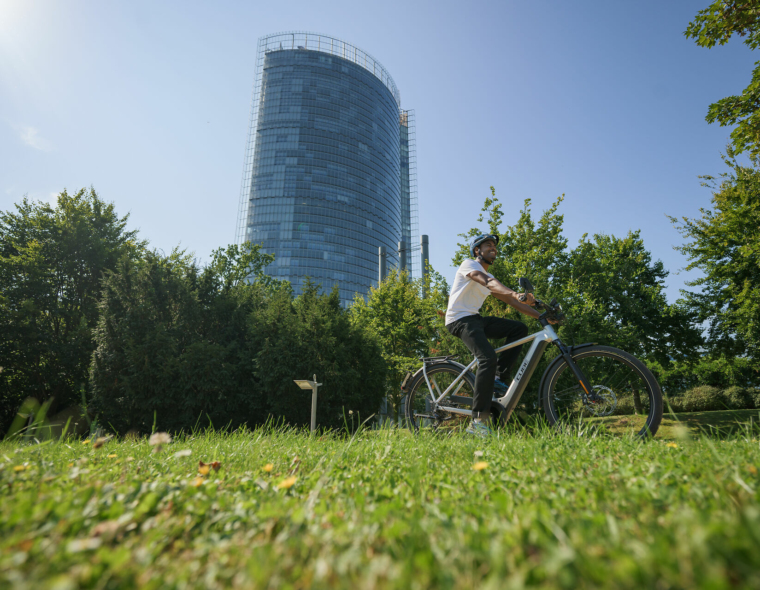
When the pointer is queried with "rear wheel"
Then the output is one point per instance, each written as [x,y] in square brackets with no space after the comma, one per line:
[419,408]
[626,399]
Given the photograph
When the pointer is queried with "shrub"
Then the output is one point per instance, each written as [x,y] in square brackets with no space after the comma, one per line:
[704,398]
[674,402]
[754,394]
[738,398]
[719,372]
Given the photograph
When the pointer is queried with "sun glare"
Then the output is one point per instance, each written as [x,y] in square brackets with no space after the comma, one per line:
[12,13]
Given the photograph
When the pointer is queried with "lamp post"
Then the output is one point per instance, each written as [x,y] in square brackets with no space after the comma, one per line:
[313,385]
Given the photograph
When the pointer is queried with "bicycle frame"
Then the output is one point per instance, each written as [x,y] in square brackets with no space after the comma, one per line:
[510,399]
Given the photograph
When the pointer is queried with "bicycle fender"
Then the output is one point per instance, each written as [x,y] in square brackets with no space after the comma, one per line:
[558,360]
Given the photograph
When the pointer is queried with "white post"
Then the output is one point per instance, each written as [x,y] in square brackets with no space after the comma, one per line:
[313,385]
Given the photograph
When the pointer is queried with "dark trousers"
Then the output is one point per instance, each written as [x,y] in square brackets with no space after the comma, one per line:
[475,330]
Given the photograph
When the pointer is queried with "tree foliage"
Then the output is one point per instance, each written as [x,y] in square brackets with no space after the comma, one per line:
[52,260]
[177,345]
[402,320]
[615,294]
[716,24]
[724,244]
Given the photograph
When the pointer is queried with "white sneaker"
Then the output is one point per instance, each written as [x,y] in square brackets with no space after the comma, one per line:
[479,429]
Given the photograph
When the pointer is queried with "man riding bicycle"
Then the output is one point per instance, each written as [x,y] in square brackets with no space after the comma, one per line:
[472,285]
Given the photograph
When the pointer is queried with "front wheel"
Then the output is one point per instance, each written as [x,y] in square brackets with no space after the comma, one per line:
[626,399]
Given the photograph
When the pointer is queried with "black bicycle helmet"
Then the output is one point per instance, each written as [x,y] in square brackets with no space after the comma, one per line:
[480,239]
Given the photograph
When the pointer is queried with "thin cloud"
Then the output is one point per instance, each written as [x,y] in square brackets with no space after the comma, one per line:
[31,137]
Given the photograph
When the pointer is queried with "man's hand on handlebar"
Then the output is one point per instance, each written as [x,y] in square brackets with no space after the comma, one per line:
[526,298]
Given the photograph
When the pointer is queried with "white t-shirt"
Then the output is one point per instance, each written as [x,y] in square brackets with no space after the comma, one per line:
[466,295]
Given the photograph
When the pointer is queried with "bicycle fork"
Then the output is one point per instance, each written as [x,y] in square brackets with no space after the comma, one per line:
[588,395]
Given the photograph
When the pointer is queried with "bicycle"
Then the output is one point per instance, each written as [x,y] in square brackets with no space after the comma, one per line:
[586,387]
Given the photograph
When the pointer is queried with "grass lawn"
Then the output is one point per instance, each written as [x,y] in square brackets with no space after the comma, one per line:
[383,510]
[715,424]
[720,424]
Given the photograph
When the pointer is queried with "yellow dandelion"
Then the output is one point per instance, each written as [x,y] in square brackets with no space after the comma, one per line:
[196,482]
[672,445]
[19,468]
[268,467]
[203,469]
[112,456]
[287,483]
[480,465]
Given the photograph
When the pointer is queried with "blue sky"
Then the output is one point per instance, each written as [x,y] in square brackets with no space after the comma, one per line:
[149,103]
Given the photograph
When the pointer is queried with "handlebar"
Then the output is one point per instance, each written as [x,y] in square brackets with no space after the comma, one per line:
[550,309]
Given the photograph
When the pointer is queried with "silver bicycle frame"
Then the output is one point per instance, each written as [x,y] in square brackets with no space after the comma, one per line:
[510,399]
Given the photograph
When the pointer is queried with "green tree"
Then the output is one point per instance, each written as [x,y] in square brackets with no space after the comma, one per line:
[403,322]
[615,294]
[177,344]
[724,244]
[313,334]
[716,24]
[52,260]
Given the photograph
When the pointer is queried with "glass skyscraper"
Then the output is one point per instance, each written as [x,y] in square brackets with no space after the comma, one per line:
[330,171]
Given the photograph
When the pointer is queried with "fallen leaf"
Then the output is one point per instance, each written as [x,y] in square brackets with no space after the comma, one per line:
[203,469]
[26,545]
[99,442]
[107,527]
[112,456]
[83,545]
[287,483]
[85,442]
[196,482]
[752,469]
[215,465]
[268,467]
[19,468]
[480,466]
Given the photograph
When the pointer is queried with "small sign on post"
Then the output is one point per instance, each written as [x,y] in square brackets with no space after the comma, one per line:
[313,385]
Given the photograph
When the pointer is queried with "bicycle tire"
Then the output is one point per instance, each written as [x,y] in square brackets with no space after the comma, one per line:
[418,413]
[618,379]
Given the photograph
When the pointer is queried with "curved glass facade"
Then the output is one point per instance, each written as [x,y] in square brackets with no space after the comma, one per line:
[324,189]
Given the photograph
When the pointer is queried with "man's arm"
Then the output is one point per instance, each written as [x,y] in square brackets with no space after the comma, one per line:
[504,293]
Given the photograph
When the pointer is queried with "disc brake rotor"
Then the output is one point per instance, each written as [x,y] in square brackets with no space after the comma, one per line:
[604,403]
